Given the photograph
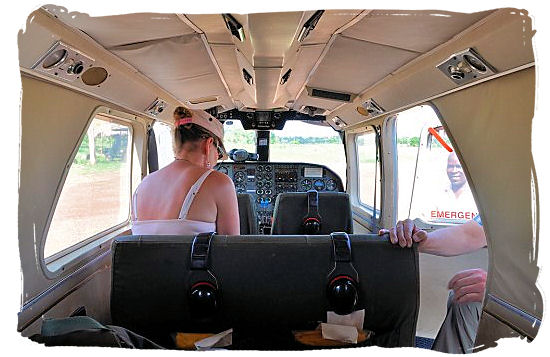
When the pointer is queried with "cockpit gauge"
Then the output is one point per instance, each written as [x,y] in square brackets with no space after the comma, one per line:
[260,168]
[240,188]
[319,185]
[268,168]
[223,170]
[239,176]
[331,185]
[305,184]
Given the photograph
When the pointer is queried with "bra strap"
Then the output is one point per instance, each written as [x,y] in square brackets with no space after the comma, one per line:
[191,195]
[134,204]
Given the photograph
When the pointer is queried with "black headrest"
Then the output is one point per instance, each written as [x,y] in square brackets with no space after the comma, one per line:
[290,209]
[264,282]
[247,214]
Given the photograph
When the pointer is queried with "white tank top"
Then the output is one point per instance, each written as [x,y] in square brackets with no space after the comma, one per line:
[179,226]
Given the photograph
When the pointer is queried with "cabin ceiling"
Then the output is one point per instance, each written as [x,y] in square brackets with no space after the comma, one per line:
[195,56]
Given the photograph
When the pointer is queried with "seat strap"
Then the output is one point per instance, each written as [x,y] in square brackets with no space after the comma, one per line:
[191,195]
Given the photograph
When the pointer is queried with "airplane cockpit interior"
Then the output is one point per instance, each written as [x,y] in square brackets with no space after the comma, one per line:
[360,150]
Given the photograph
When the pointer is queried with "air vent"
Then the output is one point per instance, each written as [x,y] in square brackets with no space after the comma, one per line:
[325,94]
[156,107]
[310,25]
[311,110]
[234,26]
[339,122]
[248,77]
[465,66]
[285,76]
[63,61]
[370,108]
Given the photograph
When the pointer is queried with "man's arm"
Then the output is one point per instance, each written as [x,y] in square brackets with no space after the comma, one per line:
[456,240]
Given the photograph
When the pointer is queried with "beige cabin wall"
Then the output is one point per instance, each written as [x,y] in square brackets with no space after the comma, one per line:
[490,126]
[53,119]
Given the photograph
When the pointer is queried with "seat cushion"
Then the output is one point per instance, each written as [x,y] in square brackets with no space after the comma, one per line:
[247,214]
[291,208]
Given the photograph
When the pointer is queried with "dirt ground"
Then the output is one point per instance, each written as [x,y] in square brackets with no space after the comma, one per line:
[91,201]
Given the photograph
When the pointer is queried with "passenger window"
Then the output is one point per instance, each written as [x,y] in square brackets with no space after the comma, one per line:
[96,193]
[165,149]
[432,185]
[369,171]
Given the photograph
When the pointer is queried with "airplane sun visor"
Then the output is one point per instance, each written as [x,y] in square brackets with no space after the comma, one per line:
[266,119]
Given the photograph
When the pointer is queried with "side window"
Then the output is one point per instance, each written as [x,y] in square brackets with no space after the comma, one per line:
[432,185]
[369,171]
[163,137]
[96,193]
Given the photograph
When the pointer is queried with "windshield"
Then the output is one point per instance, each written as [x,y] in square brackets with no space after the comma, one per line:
[298,142]
[235,137]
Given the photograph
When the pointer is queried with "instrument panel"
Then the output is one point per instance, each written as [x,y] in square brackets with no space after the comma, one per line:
[265,180]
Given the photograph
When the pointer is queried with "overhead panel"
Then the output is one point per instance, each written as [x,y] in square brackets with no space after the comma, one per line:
[231,54]
[271,35]
[302,56]
[267,80]
[305,100]
[503,39]
[306,58]
[245,47]
[331,21]
[352,65]
[418,31]
[213,26]
[227,61]
[181,65]
[117,30]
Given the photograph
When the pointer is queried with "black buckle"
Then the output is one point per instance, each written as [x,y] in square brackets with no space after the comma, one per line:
[200,250]
[312,203]
[341,247]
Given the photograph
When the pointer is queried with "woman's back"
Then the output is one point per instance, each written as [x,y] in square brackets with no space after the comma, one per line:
[187,197]
[159,201]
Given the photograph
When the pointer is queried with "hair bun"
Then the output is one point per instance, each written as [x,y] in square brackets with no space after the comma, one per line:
[182,112]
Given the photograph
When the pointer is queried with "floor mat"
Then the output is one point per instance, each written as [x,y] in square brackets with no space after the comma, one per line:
[423,342]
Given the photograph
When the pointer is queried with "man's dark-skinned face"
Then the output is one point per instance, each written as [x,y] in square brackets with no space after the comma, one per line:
[455,172]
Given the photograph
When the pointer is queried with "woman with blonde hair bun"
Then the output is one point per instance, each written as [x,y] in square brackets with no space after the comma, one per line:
[187,197]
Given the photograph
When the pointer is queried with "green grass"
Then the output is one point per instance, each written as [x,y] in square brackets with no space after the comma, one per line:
[100,166]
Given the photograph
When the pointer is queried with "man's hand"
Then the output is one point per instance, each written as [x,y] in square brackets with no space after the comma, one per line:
[405,233]
[469,285]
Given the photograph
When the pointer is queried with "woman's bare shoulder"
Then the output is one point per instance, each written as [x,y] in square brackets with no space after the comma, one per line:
[219,178]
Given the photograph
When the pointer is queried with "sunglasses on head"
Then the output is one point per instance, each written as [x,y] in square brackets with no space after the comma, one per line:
[219,149]
[217,145]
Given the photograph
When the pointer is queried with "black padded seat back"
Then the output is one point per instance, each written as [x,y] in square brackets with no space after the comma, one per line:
[247,214]
[291,208]
[265,282]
